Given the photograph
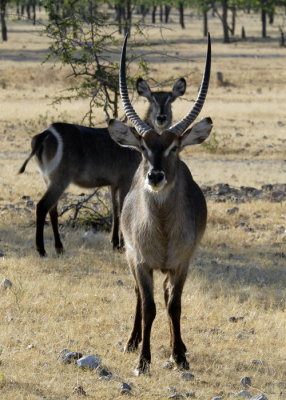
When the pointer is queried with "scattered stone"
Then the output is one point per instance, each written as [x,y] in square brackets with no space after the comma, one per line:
[176,396]
[2,254]
[63,352]
[244,334]
[71,357]
[223,192]
[104,373]
[280,254]
[268,187]
[259,397]
[168,365]
[125,388]
[25,197]
[257,362]
[235,319]
[30,203]
[244,393]
[79,390]
[91,362]
[233,210]
[6,284]
[191,394]
[214,331]
[119,282]
[30,346]
[277,195]
[217,398]
[172,389]
[187,376]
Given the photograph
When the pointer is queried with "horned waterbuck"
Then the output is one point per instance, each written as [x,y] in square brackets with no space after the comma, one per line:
[88,157]
[164,215]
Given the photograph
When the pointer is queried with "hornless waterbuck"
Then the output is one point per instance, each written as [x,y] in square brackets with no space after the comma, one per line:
[163,216]
[89,158]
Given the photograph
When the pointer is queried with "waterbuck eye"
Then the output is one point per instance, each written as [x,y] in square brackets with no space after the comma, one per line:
[175,148]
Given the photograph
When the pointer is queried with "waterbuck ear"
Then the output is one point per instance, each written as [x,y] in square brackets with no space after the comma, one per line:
[198,133]
[143,88]
[179,88]
[122,134]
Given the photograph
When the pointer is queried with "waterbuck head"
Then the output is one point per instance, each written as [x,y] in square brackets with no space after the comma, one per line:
[159,113]
[160,150]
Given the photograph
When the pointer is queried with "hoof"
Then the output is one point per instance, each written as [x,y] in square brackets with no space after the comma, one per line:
[42,254]
[118,247]
[60,251]
[130,347]
[143,368]
[182,364]
[139,371]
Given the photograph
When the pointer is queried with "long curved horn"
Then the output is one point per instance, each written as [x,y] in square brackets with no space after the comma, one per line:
[180,127]
[131,114]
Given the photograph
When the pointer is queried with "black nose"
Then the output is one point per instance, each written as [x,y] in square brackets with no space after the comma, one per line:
[161,118]
[155,176]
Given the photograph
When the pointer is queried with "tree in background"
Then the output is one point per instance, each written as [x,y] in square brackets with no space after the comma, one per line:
[81,39]
[121,12]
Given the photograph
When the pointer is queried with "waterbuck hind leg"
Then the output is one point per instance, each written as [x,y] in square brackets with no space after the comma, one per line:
[166,298]
[175,286]
[47,203]
[54,221]
[136,334]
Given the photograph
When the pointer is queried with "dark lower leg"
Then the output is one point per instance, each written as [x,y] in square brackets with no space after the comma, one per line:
[48,202]
[41,216]
[136,334]
[178,347]
[149,313]
[54,221]
[166,298]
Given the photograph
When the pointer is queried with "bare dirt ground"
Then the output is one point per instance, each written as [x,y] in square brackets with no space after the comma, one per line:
[233,317]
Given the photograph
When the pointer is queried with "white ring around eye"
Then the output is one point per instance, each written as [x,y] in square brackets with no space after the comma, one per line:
[169,149]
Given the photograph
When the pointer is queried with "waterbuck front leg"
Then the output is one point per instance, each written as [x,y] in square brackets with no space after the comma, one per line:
[48,204]
[136,334]
[173,286]
[117,196]
[115,217]
[144,277]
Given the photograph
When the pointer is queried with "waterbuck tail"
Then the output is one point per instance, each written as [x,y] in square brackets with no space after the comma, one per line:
[36,144]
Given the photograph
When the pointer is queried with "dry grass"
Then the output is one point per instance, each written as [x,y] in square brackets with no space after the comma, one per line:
[74,301]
